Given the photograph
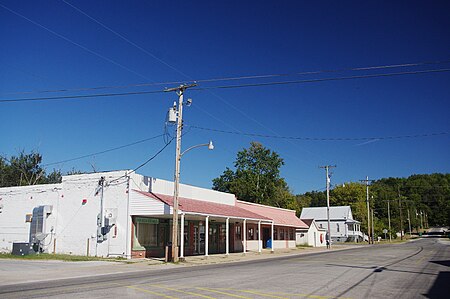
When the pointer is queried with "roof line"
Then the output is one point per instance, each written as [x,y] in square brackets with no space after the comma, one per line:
[265,206]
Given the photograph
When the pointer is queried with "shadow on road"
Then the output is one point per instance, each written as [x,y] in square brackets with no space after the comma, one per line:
[440,286]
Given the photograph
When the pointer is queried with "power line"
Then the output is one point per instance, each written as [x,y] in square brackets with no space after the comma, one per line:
[323,79]
[322,138]
[124,38]
[230,86]
[81,96]
[103,152]
[147,161]
[248,77]
[74,43]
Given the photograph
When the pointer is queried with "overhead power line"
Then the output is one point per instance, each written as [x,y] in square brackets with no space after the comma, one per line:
[321,138]
[75,43]
[103,152]
[323,79]
[230,86]
[147,161]
[237,78]
[124,38]
[81,96]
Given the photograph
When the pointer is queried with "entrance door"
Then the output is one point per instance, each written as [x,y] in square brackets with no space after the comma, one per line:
[199,239]
[266,236]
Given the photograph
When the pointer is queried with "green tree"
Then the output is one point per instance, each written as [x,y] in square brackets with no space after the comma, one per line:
[353,195]
[25,169]
[256,178]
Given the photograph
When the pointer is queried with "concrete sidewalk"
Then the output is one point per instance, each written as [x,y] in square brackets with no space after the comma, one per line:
[26,271]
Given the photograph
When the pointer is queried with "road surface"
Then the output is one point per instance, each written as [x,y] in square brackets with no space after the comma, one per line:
[417,269]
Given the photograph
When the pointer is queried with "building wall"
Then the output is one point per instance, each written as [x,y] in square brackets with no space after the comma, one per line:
[72,225]
[187,191]
[337,235]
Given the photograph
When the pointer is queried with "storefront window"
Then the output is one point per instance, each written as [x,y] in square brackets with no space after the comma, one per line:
[281,233]
[147,234]
[186,235]
[291,234]
[238,231]
[275,233]
[251,233]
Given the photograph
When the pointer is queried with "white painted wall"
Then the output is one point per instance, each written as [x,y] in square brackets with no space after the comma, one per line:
[141,204]
[187,191]
[71,223]
[302,238]
[252,245]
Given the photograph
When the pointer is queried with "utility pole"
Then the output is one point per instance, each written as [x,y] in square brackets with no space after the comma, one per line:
[328,176]
[180,92]
[389,222]
[401,215]
[373,229]
[368,207]
[421,221]
[409,222]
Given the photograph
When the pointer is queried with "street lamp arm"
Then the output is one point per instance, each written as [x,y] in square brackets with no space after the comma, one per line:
[209,145]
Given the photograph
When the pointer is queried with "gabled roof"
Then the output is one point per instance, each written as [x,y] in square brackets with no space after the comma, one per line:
[280,216]
[308,222]
[320,213]
[203,207]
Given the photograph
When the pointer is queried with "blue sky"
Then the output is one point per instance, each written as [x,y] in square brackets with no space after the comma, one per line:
[184,40]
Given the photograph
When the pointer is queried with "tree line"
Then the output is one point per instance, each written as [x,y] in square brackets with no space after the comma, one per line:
[255,177]
[425,198]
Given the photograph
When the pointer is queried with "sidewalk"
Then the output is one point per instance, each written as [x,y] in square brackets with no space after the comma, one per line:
[265,254]
[14,271]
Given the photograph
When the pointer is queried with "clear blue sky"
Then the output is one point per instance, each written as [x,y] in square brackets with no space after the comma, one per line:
[212,39]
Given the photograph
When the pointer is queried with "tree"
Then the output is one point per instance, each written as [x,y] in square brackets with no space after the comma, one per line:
[256,178]
[25,169]
[353,195]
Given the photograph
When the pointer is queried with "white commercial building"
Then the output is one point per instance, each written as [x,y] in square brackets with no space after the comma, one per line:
[121,213]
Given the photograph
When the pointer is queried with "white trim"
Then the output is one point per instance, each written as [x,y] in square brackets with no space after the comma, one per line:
[227,242]
[245,236]
[206,235]
[182,237]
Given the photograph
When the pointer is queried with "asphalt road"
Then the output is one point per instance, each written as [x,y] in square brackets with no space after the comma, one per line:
[418,269]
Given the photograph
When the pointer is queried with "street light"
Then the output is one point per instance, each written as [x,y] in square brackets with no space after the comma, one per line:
[175,115]
[175,198]
[210,146]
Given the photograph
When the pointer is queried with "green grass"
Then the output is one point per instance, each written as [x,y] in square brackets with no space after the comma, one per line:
[59,257]
[304,246]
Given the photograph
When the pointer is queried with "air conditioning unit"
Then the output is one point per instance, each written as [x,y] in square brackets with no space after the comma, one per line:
[110,216]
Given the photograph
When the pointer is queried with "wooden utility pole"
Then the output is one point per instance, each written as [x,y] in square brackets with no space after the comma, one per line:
[401,214]
[389,222]
[368,207]
[328,176]
[180,92]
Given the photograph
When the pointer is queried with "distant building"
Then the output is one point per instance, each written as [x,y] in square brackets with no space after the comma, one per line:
[136,219]
[342,225]
[311,236]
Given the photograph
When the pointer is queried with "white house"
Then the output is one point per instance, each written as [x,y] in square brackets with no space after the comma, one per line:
[122,213]
[312,236]
[342,225]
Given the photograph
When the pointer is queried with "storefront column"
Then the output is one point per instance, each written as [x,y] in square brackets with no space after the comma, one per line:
[259,236]
[273,241]
[206,235]
[244,232]
[227,244]
[182,237]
